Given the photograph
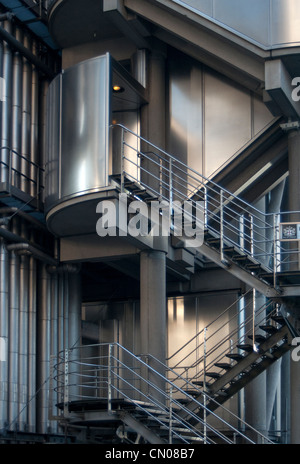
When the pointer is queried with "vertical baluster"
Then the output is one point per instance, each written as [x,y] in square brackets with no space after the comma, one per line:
[222,224]
[170,415]
[122,160]
[109,378]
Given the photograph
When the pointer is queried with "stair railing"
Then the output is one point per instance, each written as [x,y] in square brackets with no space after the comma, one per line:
[110,377]
[238,325]
[235,223]
[18,171]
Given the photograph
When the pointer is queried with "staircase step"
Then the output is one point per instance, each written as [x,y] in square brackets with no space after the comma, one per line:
[235,356]
[270,329]
[199,383]
[254,267]
[258,338]
[245,347]
[223,365]
[213,241]
[279,319]
[213,375]
[240,258]
[229,250]
[194,393]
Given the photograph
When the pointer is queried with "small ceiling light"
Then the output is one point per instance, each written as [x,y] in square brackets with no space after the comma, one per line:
[118,89]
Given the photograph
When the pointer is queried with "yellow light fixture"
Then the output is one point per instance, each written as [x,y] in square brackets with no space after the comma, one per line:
[118,88]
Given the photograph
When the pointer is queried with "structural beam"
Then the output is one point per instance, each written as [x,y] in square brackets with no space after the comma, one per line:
[278,84]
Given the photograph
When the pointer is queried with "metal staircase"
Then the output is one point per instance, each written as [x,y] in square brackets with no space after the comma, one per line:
[106,394]
[236,236]
[109,395]
[231,351]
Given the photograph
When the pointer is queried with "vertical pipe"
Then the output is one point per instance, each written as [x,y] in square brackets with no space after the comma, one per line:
[6,107]
[61,346]
[34,128]
[4,335]
[54,338]
[23,337]
[16,129]
[43,348]
[66,310]
[74,321]
[26,120]
[14,344]
[42,134]
[74,326]
[32,318]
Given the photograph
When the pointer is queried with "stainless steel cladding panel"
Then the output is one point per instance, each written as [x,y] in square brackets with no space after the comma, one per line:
[227,121]
[285,22]
[78,128]
[210,117]
[250,18]
[52,187]
[270,23]
[84,127]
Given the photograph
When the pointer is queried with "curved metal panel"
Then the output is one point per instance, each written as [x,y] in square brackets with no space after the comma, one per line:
[84,127]
[78,116]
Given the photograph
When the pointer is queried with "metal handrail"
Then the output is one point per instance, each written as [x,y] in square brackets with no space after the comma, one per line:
[117,375]
[224,211]
[9,165]
[220,346]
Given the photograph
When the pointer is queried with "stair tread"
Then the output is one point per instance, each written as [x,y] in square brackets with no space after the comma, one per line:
[245,347]
[279,319]
[214,375]
[258,338]
[198,382]
[268,328]
[223,365]
[234,356]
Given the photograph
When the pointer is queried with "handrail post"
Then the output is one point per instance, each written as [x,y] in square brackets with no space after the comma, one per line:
[170,183]
[109,378]
[221,225]
[274,249]
[170,415]
[10,169]
[66,383]
[122,160]
[251,235]
[205,208]
[204,384]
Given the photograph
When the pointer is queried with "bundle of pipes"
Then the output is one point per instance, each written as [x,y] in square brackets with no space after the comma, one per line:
[40,314]
[25,79]
[40,302]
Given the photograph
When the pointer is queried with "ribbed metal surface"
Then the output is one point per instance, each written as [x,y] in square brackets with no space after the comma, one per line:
[30,297]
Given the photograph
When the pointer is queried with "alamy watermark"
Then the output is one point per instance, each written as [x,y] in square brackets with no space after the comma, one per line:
[296,90]
[295,354]
[137,218]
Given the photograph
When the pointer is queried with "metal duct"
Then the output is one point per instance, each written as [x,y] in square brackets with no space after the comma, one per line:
[23,338]
[34,154]
[32,319]
[4,335]
[16,129]
[43,348]
[13,342]
[26,120]
[26,247]
[54,343]
[6,106]
[6,35]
